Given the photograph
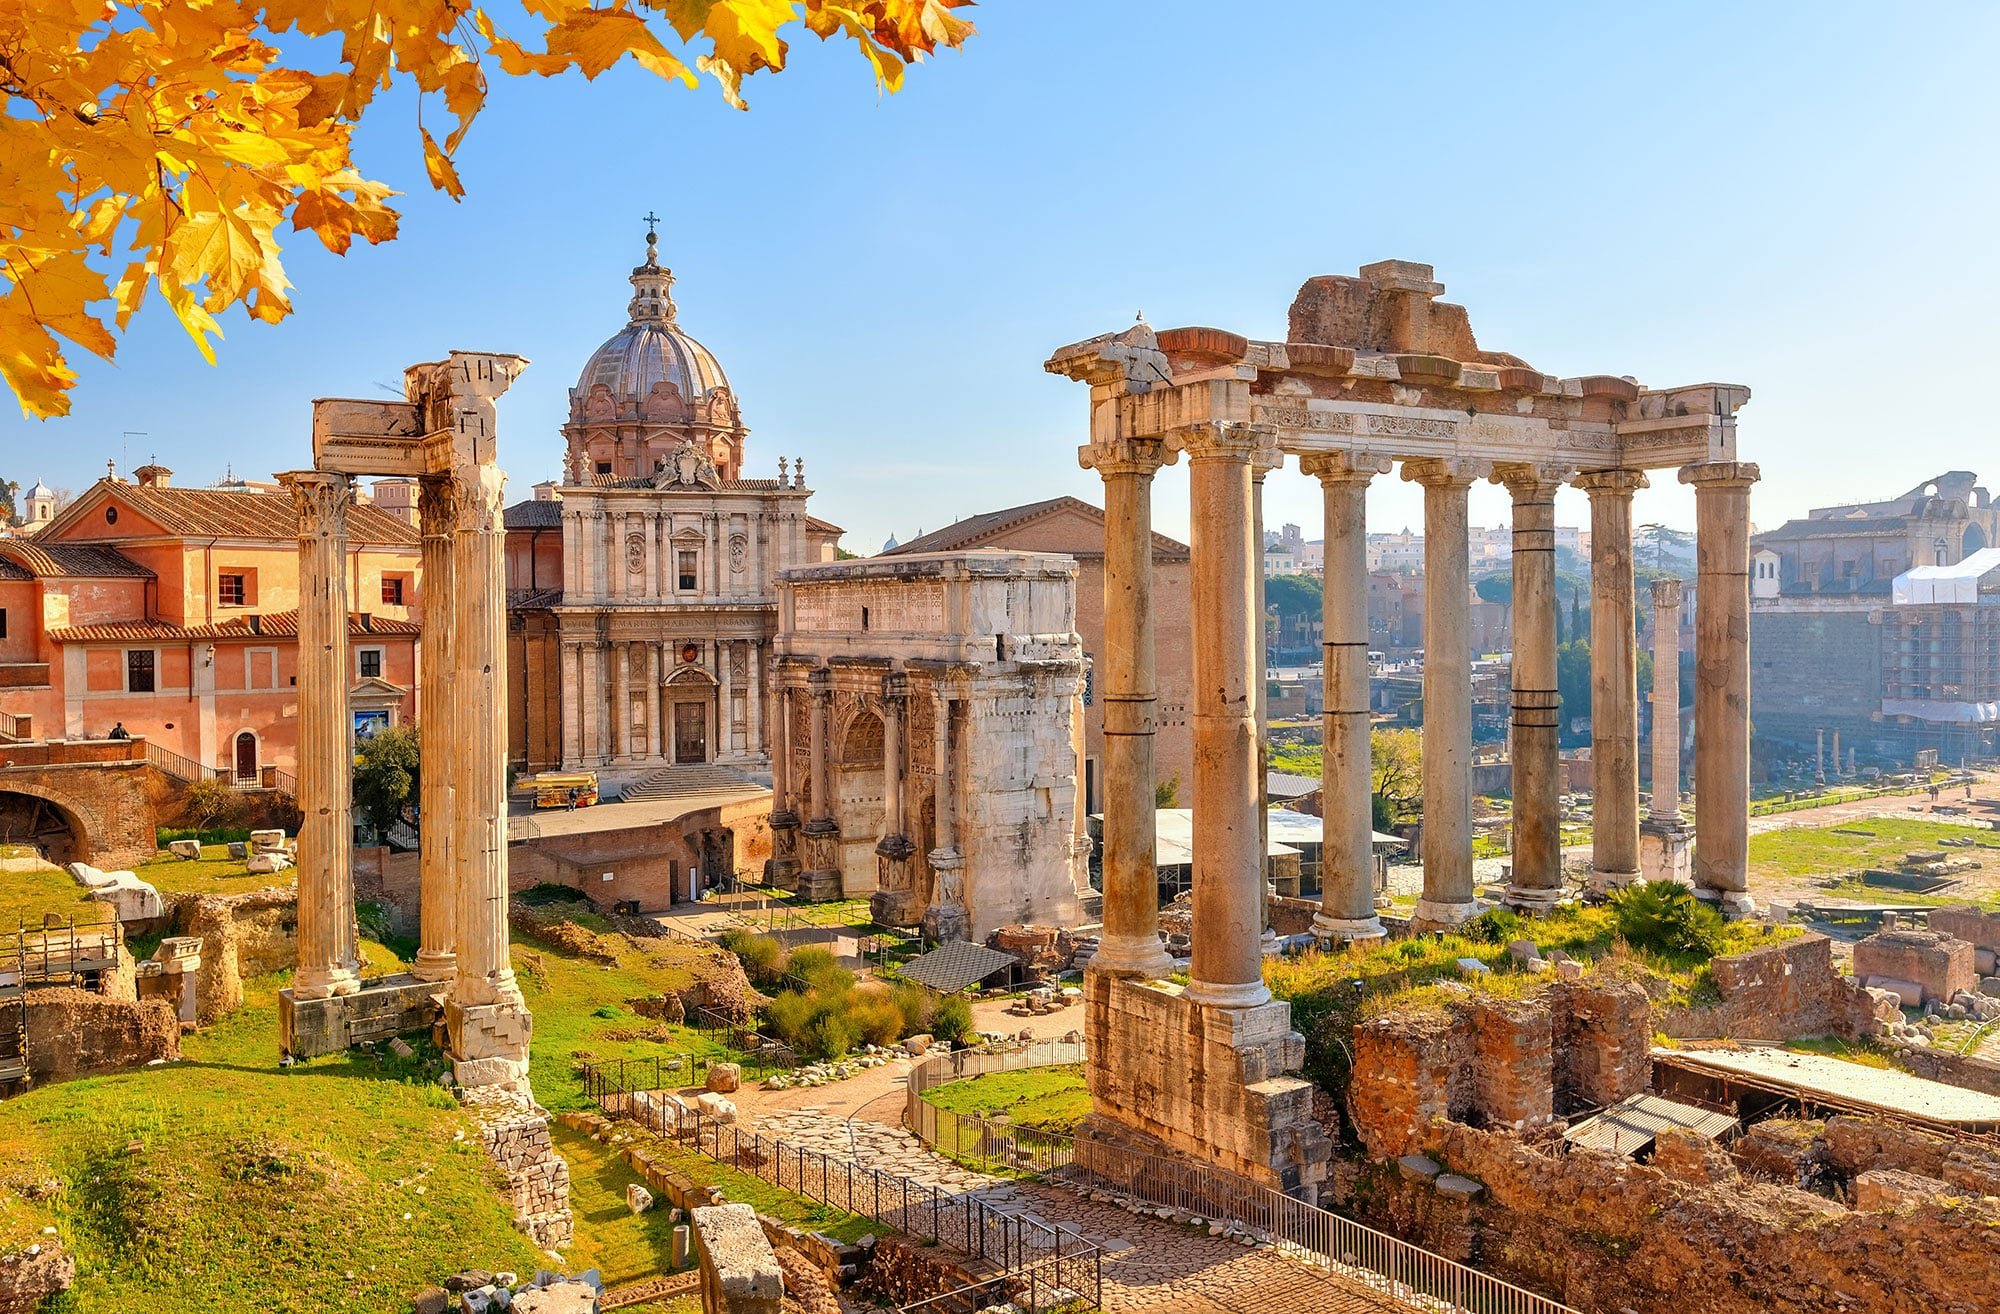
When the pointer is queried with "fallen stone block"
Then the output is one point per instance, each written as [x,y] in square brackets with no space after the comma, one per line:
[268,863]
[1455,1187]
[135,900]
[238,849]
[716,1106]
[266,841]
[1419,1167]
[1522,951]
[400,1047]
[724,1077]
[559,1298]
[637,1198]
[186,850]
[1473,967]
[431,1300]
[1908,993]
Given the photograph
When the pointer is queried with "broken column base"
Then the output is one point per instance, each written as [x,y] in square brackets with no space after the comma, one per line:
[1347,929]
[1439,915]
[1666,851]
[1533,898]
[384,1007]
[782,870]
[489,1043]
[1208,1084]
[1733,904]
[514,1132]
[1604,882]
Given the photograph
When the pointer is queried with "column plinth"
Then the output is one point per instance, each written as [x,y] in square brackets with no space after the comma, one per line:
[437,956]
[1448,898]
[1347,850]
[1229,888]
[1722,682]
[1130,944]
[329,956]
[1535,753]
[1614,680]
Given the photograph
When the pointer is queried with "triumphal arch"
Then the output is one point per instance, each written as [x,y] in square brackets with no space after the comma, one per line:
[1375,373]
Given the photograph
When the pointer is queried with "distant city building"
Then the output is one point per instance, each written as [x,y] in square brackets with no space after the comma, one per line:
[1879,622]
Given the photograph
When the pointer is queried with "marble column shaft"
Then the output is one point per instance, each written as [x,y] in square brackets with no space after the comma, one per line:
[1229,896]
[1125,683]
[944,802]
[1347,850]
[437,875]
[621,699]
[820,690]
[329,956]
[1447,766]
[478,762]
[1722,680]
[892,763]
[1666,796]
[1614,678]
[1536,750]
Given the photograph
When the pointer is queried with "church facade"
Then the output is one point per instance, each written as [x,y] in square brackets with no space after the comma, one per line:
[643,585]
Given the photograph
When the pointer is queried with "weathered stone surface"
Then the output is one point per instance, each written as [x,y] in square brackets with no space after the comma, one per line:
[27,1279]
[514,1132]
[1780,992]
[267,841]
[557,1298]
[186,849]
[1458,1188]
[268,864]
[1890,1188]
[75,1033]
[637,1198]
[739,1271]
[431,1300]
[1941,964]
[724,1077]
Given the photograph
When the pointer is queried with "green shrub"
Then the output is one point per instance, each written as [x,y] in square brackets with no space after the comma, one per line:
[914,1003]
[830,1035]
[1494,926]
[951,1019]
[763,958]
[811,962]
[1665,918]
[876,1018]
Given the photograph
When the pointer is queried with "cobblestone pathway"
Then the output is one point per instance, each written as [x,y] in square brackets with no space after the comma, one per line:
[1149,1264]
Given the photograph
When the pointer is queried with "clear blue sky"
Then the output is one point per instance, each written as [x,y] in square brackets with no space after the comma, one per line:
[1797,197]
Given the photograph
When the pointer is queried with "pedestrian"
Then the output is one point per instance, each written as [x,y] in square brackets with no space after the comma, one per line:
[119,731]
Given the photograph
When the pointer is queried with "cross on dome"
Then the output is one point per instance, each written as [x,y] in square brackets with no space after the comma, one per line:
[652,282]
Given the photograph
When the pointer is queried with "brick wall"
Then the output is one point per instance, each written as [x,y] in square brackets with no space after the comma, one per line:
[1813,668]
[1779,992]
[1941,964]
[1979,929]
[74,1033]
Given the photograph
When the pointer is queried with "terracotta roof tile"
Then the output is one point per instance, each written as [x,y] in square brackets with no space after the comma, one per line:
[981,530]
[272,625]
[231,514]
[533,515]
[55,560]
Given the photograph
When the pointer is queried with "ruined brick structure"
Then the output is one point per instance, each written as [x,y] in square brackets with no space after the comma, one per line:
[1779,992]
[1939,965]
[75,1033]
[101,793]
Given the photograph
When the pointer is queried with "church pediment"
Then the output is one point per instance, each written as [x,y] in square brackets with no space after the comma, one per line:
[688,467]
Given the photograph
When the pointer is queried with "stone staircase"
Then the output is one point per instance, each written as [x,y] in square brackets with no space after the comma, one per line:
[681,781]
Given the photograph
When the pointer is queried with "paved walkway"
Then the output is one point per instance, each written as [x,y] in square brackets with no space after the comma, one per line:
[1149,1263]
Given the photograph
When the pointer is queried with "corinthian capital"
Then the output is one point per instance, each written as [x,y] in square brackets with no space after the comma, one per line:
[1125,456]
[322,499]
[1446,471]
[1616,483]
[1720,474]
[1529,482]
[1332,468]
[480,493]
[437,505]
[1222,440]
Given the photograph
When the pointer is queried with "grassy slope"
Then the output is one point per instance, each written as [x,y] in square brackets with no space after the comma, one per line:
[26,895]
[1048,1099]
[256,1188]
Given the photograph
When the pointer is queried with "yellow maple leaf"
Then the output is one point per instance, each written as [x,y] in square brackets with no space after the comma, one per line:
[438,165]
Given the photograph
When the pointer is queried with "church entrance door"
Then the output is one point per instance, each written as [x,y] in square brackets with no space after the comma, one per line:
[690,734]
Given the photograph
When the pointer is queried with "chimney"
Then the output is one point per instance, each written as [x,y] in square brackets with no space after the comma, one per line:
[153,476]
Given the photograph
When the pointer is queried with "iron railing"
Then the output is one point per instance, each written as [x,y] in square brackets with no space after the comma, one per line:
[177,766]
[1316,1237]
[1050,1258]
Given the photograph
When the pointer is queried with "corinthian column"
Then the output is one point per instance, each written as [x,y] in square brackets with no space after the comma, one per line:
[488,1021]
[821,878]
[437,958]
[1447,838]
[329,959]
[1536,752]
[894,902]
[1722,681]
[1614,680]
[1229,898]
[1666,798]
[1347,848]
[1130,944]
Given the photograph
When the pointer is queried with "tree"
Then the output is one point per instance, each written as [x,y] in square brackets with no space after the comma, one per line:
[1396,775]
[188,132]
[1294,595]
[209,803]
[1495,588]
[386,768]
[1669,548]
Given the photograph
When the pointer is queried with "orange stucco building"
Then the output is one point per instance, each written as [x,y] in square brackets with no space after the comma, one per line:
[174,613]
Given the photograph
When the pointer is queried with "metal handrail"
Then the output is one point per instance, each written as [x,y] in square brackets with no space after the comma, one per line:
[177,766]
[1016,1244]
[1316,1237]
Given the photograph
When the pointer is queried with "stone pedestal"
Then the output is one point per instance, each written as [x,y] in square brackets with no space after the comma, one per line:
[384,1007]
[820,878]
[947,918]
[1210,1083]
[896,900]
[1666,851]
[783,871]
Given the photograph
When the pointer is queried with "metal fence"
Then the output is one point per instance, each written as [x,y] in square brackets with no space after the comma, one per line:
[1055,1261]
[1313,1236]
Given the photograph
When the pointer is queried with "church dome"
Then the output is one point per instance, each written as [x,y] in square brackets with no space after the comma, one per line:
[651,348]
[40,490]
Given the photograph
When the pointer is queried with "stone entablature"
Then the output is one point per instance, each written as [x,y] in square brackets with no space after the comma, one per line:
[929,725]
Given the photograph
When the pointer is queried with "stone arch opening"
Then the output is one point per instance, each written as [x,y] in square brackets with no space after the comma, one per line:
[858,788]
[52,829]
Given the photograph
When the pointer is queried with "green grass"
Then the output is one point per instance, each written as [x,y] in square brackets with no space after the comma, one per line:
[1863,1053]
[215,872]
[624,1247]
[747,1188]
[1047,1099]
[1810,851]
[26,895]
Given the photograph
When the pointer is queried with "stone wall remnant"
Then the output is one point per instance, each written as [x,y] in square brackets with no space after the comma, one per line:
[1940,965]
[75,1033]
[739,1270]
[1780,992]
